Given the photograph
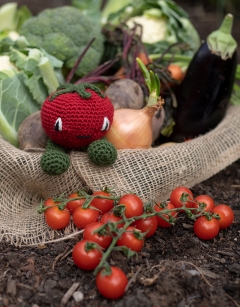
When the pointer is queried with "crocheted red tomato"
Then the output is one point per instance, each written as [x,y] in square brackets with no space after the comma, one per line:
[76,115]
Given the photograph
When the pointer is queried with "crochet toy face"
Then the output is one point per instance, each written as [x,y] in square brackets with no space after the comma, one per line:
[76,115]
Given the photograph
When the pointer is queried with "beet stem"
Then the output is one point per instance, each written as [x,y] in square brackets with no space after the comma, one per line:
[72,72]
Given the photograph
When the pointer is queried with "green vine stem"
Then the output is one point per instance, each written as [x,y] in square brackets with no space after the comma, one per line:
[111,228]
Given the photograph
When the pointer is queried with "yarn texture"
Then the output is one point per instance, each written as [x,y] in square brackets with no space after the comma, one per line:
[73,117]
[55,161]
[102,153]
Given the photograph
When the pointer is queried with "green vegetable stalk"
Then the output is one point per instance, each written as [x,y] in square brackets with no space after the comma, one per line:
[11,18]
[8,19]
[221,42]
[27,76]
[153,83]
[48,74]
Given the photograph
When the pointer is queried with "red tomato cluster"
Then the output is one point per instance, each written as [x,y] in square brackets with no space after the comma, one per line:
[126,222]
[217,217]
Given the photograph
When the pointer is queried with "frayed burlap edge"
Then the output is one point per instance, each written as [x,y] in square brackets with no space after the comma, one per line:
[152,174]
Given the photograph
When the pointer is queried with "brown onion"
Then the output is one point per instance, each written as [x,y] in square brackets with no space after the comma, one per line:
[133,128]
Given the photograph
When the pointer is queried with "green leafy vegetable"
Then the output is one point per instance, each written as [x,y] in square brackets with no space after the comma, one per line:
[27,77]
[64,32]
[163,23]
[16,103]
[11,18]
[91,8]
[8,20]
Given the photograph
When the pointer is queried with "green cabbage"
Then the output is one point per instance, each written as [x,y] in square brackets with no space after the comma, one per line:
[27,76]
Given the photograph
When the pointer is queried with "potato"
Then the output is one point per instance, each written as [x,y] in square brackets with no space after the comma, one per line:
[125,93]
[31,133]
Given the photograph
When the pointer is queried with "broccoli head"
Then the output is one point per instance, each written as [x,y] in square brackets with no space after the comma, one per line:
[64,32]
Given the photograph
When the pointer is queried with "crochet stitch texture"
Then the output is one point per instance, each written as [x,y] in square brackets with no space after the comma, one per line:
[74,116]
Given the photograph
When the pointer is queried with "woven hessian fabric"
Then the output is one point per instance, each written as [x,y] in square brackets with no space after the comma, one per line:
[152,173]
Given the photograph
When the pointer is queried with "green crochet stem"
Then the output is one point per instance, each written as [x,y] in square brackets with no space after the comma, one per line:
[54,161]
[79,88]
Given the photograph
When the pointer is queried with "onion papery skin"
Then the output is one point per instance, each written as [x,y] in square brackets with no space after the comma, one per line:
[131,128]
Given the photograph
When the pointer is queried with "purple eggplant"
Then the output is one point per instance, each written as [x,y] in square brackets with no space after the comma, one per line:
[204,95]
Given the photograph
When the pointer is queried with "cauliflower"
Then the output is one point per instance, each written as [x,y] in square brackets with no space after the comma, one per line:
[5,63]
[163,23]
[153,29]
[64,32]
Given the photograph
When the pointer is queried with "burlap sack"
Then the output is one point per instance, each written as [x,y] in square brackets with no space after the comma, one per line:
[151,173]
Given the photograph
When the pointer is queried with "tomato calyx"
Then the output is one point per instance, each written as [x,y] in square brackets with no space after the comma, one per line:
[215,216]
[162,205]
[103,230]
[138,234]
[119,210]
[106,189]
[202,205]
[92,245]
[185,198]
[105,269]
[113,227]
[165,213]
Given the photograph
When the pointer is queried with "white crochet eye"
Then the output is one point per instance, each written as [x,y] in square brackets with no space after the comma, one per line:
[58,124]
[106,124]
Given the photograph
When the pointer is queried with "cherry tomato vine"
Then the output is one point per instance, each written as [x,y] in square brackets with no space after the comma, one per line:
[113,222]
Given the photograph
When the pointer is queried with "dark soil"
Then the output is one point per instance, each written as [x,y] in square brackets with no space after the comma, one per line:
[174,268]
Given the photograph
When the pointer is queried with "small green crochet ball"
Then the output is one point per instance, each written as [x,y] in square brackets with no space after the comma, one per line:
[54,162]
[102,153]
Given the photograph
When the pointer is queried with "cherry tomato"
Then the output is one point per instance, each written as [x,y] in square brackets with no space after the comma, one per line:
[161,222]
[206,202]
[103,240]
[149,225]
[72,205]
[111,217]
[86,258]
[111,286]
[133,204]
[130,240]
[180,196]
[50,202]
[206,229]
[226,215]
[102,204]
[84,216]
[57,218]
